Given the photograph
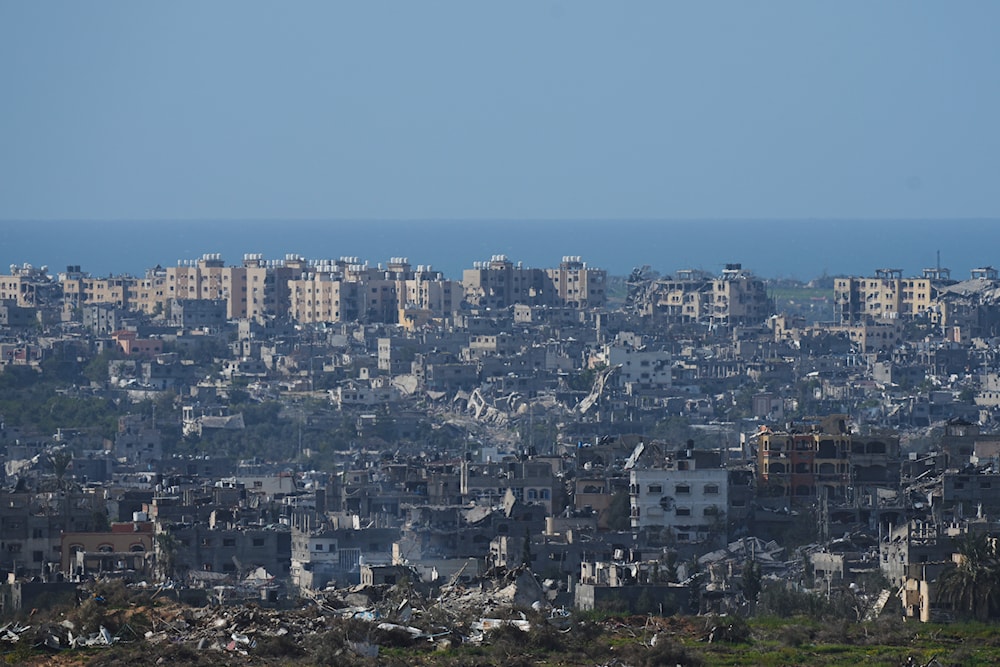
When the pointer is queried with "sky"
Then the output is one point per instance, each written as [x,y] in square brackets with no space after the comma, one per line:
[528,109]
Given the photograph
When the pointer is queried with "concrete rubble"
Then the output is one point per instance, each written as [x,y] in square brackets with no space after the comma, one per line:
[232,629]
[57,636]
[368,617]
[11,632]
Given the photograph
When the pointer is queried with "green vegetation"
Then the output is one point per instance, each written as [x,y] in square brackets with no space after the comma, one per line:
[972,587]
[643,641]
[619,511]
[801,300]
[36,407]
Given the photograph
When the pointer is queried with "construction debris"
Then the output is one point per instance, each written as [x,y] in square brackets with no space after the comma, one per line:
[359,621]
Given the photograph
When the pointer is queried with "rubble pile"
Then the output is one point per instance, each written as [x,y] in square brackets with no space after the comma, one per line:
[356,622]
[229,629]
[499,590]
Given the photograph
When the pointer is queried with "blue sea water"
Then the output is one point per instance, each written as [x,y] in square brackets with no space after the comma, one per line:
[802,249]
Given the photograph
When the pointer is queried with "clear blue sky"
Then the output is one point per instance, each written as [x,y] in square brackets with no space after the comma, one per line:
[522,109]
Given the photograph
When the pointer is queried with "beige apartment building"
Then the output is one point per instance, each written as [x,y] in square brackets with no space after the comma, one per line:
[256,289]
[733,298]
[575,285]
[210,278]
[679,299]
[499,284]
[322,296]
[27,285]
[887,295]
[80,289]
[268,292]
[313,291]
[151,291]
[428,290]
[349,290]
[738,297]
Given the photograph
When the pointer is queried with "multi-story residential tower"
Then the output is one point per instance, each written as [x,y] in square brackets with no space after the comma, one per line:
[799,464]
[28,286]
[80,289]
[499,284]
[887,295]
[210,278]
[575,285]
[688,497]
[736,297]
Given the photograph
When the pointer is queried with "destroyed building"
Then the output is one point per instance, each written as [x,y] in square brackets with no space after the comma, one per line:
[801,463]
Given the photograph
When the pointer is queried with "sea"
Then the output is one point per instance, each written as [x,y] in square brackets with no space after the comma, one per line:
[778,249]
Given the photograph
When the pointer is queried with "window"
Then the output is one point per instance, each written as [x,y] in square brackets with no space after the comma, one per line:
[683,511]
[711,489]
[229,542]
[683,488]
[258,541]
[655,488]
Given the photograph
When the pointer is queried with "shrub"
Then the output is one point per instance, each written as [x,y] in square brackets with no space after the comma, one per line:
[778,599]
[665,652]
[728,629]
[283,646]
[794,636]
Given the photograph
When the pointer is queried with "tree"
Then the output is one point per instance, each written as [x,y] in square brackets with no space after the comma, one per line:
[166,554]
[751,581]
[526,549]
[60,460]
[670,572]
[619,510]
[96,370]
[972,586]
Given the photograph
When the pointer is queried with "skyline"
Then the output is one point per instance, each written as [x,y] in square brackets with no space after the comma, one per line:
[529,110]
[771,249]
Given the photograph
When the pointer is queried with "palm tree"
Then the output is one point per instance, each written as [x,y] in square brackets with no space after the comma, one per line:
[751,582]
[972,586]
[166,554]
[60,460]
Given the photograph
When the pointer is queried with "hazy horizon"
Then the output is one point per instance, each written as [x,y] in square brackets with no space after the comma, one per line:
[794,137]
[800,249]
